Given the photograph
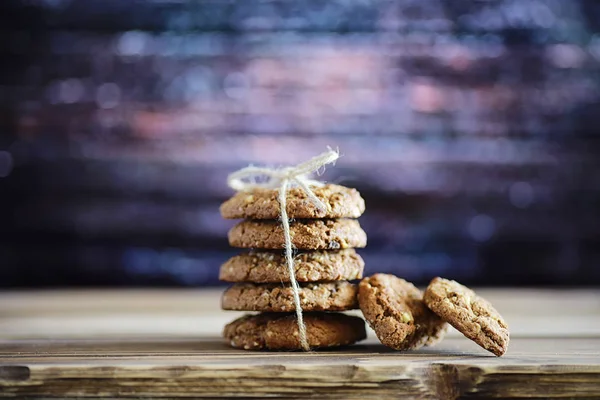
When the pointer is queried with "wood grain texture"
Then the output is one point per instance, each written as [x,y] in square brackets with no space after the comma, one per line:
[185,313]
[141,363]
[539,368]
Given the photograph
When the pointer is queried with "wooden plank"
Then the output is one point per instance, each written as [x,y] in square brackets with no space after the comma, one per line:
[537,368]
[181,313]
[165,343]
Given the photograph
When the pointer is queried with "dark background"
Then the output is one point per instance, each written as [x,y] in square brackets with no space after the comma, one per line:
[470,127]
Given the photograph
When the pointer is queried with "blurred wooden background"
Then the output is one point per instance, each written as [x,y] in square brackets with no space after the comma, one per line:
[469,127]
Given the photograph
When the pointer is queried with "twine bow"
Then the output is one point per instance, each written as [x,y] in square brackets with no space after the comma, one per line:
[247,179]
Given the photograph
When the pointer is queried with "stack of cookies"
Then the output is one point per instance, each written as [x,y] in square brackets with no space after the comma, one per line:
[325,261]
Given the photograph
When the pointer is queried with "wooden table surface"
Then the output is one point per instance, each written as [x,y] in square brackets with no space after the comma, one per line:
[166,343]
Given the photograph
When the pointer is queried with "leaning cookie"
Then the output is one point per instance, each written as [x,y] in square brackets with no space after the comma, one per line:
[311,266]
[327,234]
[330,296]
[470,314]
[276,331]
[341,202]
[394,309]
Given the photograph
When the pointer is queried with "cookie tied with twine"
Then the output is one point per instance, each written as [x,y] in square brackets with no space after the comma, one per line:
[282,179]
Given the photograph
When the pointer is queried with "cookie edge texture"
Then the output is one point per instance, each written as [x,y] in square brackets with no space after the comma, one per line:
[325,296]
[493,337]
[311,266]
[341,202]
[397,328]
[316,234]
[273,331]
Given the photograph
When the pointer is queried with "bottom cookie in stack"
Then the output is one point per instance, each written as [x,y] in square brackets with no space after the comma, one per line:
[279,331]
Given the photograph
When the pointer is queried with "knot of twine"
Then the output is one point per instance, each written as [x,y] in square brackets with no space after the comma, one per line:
[282,178]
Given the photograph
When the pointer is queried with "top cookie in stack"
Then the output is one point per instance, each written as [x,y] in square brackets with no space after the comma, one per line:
[326,260]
